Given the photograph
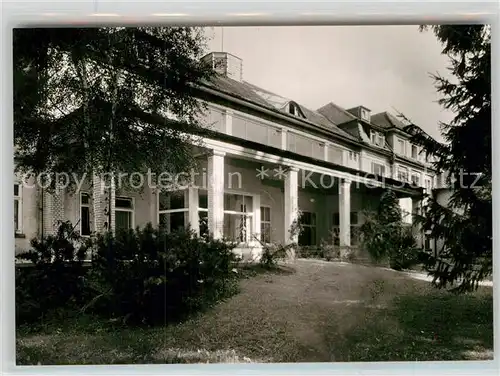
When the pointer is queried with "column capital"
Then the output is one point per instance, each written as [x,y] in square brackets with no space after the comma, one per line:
[292,168]
[219,153]
[345,181]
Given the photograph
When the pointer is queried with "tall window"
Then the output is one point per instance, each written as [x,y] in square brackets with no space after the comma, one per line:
[355,224]
[353,156]
[17,209]
[173,210]
[414,152]
[124,213]
[307,236]
[265,224]
[403,174]
[378,169]
[428,184]
[85,214]
[238,214]
[400,146]
[415,178]
[203,212]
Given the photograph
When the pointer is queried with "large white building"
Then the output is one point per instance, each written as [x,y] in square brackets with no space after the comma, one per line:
[270,159]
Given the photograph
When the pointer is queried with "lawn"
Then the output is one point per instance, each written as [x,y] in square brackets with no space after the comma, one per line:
[311,311]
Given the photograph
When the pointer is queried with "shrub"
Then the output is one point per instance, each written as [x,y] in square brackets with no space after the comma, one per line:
[138,276]
[56,277]
[385,237]
[150,275]
[273,253]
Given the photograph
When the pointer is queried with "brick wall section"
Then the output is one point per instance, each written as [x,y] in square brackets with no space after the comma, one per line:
[47,212]
[97,201]
[53,211]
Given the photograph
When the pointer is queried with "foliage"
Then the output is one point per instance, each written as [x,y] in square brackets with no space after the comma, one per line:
[56,278]
[273,253]
[465,224]
[84,95]
[384,235]
[149,275]
[137,276]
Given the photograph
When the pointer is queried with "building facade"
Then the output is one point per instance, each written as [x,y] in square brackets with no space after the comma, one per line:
[269,161]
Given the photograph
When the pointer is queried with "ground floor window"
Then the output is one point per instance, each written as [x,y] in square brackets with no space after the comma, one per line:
[173,210]
[307,236]
[85,214]
[355,228]
[124,213]
[17,208]
[265,224]
[203,212]
[238,215]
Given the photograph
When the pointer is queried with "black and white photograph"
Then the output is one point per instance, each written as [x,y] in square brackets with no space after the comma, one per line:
[244,194]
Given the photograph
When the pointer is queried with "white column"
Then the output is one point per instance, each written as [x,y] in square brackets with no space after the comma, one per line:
[345,212]
[193,210]
[416,209]
[291,203]
[215,190]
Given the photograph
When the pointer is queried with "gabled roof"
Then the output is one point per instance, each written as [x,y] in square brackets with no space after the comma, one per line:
[387,120]
[336,114]
[257,95]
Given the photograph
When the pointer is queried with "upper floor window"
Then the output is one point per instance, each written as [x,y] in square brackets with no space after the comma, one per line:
[353,156]
[414,151]
[403,174]
[415,178]
[400,146]
[377,138]
[255,131]
[428,184]
[334,154]
[305,146]
[378,169]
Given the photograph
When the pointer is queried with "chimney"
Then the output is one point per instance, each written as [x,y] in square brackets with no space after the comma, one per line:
[225,64]
[360,112]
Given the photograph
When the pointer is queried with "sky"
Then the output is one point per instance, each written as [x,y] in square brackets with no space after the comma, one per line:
[384,68]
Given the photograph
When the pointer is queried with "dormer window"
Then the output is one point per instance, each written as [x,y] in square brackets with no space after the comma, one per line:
[294,110]
[377,138]
[365,114]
